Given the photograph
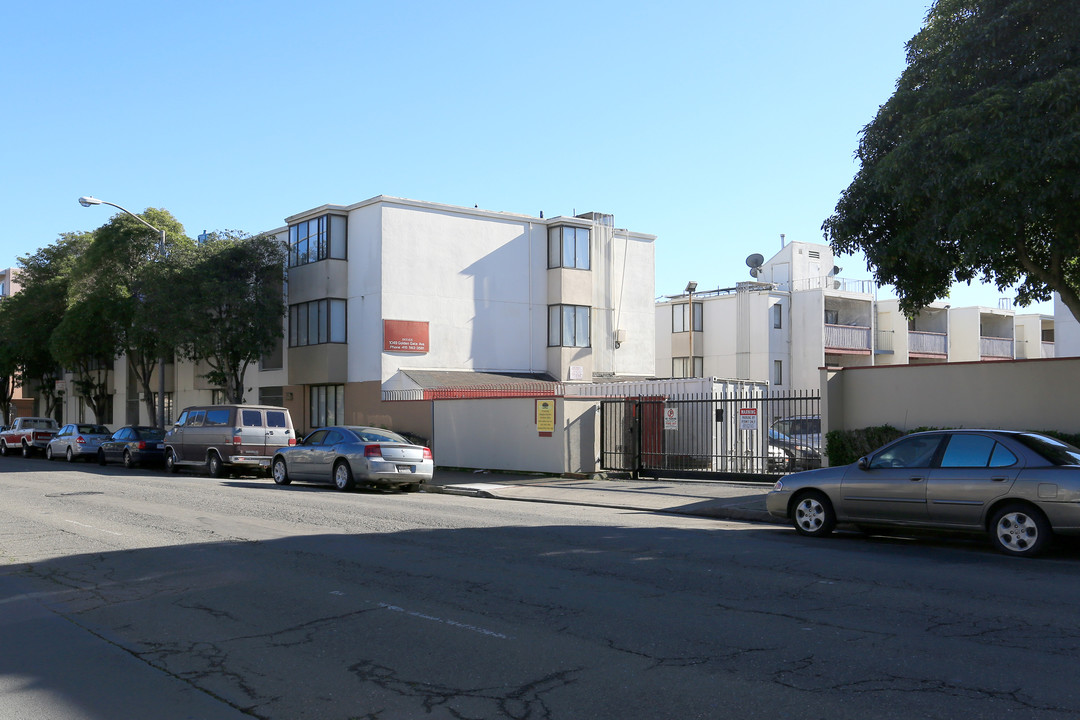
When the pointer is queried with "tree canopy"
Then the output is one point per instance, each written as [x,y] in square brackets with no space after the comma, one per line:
[971,170]
[235,305]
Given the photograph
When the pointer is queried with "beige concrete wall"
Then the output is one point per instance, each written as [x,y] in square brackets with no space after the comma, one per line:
[502,434]
[1016,394]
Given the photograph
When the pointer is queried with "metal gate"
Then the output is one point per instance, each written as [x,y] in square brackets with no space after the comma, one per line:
[753,436]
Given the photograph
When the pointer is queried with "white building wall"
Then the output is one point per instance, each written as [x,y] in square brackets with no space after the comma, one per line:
[1066,331]
[481,283]
[807,338]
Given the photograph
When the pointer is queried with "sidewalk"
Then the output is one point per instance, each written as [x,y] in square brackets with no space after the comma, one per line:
[730,501]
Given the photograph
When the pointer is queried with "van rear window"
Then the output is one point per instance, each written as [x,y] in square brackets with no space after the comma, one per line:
[276,418]
[251,418]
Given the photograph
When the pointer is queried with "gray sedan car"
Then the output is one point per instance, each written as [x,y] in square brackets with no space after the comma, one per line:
[77,441]
[1019,488]
[347,455]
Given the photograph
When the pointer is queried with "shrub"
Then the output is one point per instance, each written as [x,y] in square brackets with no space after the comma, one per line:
[844,447]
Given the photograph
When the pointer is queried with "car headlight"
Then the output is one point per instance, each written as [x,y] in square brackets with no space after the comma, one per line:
[778,486]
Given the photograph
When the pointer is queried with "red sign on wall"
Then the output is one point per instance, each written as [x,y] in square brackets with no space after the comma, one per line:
[405,336]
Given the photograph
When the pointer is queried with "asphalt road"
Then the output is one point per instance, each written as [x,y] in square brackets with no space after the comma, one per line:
[138,594]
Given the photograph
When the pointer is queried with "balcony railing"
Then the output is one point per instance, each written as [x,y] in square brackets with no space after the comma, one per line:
[927,343]
[847,337]
[996,347]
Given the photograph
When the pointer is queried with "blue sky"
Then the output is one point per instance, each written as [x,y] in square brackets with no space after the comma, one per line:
[716,126]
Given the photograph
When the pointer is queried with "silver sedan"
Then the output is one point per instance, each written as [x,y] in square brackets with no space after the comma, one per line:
[77,440]
[347,455]
[1019,488]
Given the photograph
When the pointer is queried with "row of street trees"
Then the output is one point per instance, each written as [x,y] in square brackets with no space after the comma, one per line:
[92,297]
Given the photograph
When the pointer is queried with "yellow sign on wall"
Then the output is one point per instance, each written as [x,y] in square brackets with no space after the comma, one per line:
[545,416]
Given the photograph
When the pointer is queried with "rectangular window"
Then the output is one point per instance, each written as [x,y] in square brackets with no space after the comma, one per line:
[317,322]
[327,405]
[680,317]
[568,326]
[271,395]
[778,372]
[317,239]
[680,367]
[778,316]
[568,247]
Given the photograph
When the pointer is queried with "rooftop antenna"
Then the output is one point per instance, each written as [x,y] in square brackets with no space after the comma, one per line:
[754,262]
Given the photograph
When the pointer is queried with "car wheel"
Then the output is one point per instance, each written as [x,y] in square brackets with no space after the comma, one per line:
[343,477]
[128,461]
[813,514]
[3,448]
[48,452]
[170,462]
[69,456]
[1020,530]
[26,451]
[213,465]
[101,457]
[281,473]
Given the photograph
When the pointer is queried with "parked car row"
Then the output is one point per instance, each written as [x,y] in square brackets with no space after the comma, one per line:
[234,439]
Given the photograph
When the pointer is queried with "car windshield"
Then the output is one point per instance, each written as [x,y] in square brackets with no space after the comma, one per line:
[1054,450]
[151,433]
[94,429]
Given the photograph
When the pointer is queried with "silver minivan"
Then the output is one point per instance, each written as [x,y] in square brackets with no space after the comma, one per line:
[228,438]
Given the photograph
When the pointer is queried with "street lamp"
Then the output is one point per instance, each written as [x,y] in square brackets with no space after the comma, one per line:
[87,201]
[690,288]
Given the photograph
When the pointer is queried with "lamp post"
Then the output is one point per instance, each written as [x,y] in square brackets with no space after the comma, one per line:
[87,201]
[690,288]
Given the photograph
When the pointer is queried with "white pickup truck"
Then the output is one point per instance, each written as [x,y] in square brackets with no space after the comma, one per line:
[27,434]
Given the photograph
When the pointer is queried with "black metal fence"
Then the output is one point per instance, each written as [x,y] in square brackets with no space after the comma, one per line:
[753,435]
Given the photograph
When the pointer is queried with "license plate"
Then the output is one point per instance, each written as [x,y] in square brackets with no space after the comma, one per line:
[161,446]
[406,468]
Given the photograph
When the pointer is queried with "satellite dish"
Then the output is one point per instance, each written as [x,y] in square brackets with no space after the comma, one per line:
[755,271]
[755,260]
[836,270]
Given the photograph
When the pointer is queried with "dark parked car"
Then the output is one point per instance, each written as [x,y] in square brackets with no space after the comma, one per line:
[134,445]
[346,456]
[1019,488]
[797,456]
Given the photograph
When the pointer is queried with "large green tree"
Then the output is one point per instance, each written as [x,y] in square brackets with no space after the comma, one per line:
[126,273]
[85,343]
[235,305]
[33,314]
[972,168]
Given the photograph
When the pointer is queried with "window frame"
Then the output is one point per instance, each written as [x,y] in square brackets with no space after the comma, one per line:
[567,333]
[328,329]
[680,310]
[561,243]
[324,237]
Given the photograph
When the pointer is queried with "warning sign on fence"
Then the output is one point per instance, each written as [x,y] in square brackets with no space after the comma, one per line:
[748,419]
[671,418]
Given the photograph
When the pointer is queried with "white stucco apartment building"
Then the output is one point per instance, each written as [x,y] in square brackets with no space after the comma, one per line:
[394,301]
[797,314]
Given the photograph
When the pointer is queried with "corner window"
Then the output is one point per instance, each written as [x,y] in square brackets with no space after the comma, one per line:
[568,247]
[317,239]
[317,322]
[680,317]
[568,326]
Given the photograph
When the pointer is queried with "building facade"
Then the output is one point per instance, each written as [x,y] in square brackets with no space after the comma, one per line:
[798,315]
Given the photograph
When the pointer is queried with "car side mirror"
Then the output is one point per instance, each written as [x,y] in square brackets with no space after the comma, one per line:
[864,463]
